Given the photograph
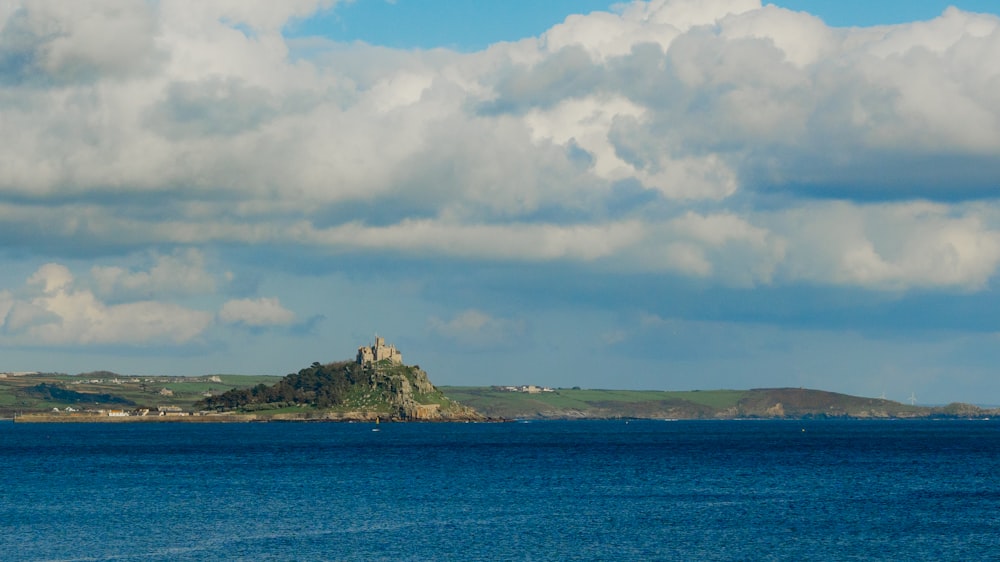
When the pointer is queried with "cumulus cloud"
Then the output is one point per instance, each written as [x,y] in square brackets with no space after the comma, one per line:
[45,42]
[256,313]
[892,246]
[181,273]
[125,306]
[52,309]
[763,146]
[721,245]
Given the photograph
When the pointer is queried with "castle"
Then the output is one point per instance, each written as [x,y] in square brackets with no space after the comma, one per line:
[379,352]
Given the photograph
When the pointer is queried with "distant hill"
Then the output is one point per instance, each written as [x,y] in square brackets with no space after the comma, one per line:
[788,403]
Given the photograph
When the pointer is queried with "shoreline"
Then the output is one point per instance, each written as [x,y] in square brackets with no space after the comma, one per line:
[252,418]
[48,418]
[236,418]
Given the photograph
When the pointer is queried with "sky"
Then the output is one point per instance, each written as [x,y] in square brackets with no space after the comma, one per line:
[672,194]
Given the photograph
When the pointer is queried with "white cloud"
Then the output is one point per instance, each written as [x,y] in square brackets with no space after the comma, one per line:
[685,14]
[891,246]
[802,38]
[80,41]
[938,35]
[55,311]
[184,123]
[181,273]
[54,308]
[22,315]
[721,246]
[256,313]
[586,122]
[605,35]
[52,277]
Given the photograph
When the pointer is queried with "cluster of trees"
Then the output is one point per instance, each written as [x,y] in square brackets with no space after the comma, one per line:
[318,385]
[99,375]
[57,393]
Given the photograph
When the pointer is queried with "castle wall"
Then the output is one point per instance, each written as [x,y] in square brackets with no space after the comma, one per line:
[365,355]
[378,352]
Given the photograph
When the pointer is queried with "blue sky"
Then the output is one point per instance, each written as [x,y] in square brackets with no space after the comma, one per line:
[425,24]
[673,194]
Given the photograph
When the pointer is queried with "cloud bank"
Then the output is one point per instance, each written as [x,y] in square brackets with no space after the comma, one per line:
[724,140]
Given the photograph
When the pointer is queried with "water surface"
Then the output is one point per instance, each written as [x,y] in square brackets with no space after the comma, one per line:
[639,490]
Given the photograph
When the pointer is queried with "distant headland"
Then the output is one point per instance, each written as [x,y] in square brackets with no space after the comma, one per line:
[378,386]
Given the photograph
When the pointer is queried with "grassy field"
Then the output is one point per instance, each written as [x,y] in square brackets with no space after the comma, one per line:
[594,402]
[141,391]
[695,404]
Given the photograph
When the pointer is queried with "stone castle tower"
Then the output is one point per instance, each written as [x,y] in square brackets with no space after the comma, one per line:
[378,352]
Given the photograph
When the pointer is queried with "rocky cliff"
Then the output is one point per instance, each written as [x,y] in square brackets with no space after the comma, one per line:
[410,395]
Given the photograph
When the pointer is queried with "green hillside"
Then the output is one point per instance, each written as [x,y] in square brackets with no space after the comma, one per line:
[42,392]
[704,404]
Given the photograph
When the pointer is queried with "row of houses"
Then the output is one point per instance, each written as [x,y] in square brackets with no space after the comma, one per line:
[140,412]
[527,388]
[147,380]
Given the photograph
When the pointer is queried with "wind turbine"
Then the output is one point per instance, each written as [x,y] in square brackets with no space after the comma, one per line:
[913,399]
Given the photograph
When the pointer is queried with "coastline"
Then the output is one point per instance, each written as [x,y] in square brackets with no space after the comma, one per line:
[97,418]
[305,418]
[345,417]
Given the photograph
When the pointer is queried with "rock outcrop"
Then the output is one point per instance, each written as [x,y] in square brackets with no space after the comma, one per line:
[410,395]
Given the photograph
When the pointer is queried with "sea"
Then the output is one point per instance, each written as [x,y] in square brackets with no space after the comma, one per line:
[540,490]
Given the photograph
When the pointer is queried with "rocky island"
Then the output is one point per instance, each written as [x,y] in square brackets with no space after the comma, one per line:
[376,386]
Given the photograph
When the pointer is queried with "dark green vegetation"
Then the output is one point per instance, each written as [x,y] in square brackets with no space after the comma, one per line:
[56,393]
[319,386]
[705,404]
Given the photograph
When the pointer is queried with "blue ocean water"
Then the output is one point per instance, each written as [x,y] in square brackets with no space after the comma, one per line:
[642,490]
